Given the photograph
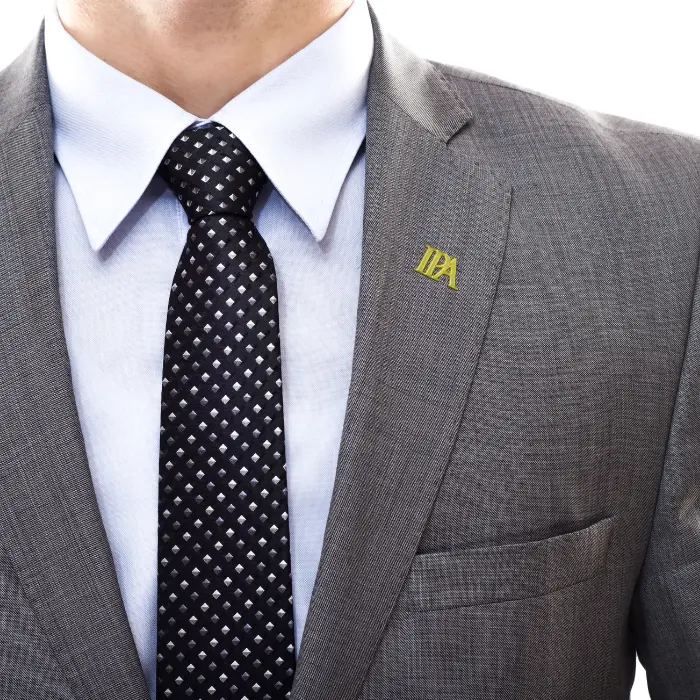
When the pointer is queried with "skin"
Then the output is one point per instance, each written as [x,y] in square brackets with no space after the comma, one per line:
[198,53]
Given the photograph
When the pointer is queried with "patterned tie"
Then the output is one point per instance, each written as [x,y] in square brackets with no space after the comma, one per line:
[225,625]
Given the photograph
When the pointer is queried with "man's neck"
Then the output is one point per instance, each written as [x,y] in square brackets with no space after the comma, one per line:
[198,53]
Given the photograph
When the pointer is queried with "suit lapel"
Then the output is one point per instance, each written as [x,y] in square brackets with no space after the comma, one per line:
[49,518]
[416,350]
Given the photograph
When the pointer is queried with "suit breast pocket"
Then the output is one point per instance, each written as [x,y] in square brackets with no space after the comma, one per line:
[526,621]
[483,575]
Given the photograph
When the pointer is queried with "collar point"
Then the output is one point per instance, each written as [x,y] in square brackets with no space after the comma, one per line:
[317,221]
[97,234]
[318,232]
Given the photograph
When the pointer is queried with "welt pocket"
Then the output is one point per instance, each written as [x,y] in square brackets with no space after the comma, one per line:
[500,573]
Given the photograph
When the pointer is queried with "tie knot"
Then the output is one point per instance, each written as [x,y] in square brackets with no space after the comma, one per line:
[212,173]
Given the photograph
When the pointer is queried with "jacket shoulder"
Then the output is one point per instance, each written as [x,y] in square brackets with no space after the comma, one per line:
[625,187]
[470,82]
[529,118]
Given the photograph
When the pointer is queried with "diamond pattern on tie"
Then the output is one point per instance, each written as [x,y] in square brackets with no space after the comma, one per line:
[225,624]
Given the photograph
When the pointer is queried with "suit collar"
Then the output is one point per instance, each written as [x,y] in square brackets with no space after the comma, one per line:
[416,87]
[24,87]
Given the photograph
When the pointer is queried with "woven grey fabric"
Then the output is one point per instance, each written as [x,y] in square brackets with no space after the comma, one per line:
[516,505]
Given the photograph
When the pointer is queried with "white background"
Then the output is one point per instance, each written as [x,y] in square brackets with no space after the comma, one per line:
[629,57]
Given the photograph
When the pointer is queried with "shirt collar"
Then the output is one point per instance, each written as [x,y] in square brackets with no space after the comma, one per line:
[304,122]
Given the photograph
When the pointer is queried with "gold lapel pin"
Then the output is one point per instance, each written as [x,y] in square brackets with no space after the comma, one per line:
[436,264]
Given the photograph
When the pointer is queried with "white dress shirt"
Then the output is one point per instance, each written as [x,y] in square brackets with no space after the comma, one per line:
[120,232]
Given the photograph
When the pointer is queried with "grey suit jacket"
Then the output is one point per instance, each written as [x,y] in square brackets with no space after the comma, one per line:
[517,501]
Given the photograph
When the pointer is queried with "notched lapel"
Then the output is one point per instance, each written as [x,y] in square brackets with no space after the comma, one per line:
[50,524]
[416,350]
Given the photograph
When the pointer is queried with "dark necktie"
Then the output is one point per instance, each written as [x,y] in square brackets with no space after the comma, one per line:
[225,625]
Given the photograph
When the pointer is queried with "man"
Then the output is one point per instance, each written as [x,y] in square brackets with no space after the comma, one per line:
[482,478]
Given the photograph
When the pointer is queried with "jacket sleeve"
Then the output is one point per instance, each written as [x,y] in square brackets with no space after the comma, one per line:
[666,605]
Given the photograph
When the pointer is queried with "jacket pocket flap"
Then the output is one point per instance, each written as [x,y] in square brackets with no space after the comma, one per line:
[505,572]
